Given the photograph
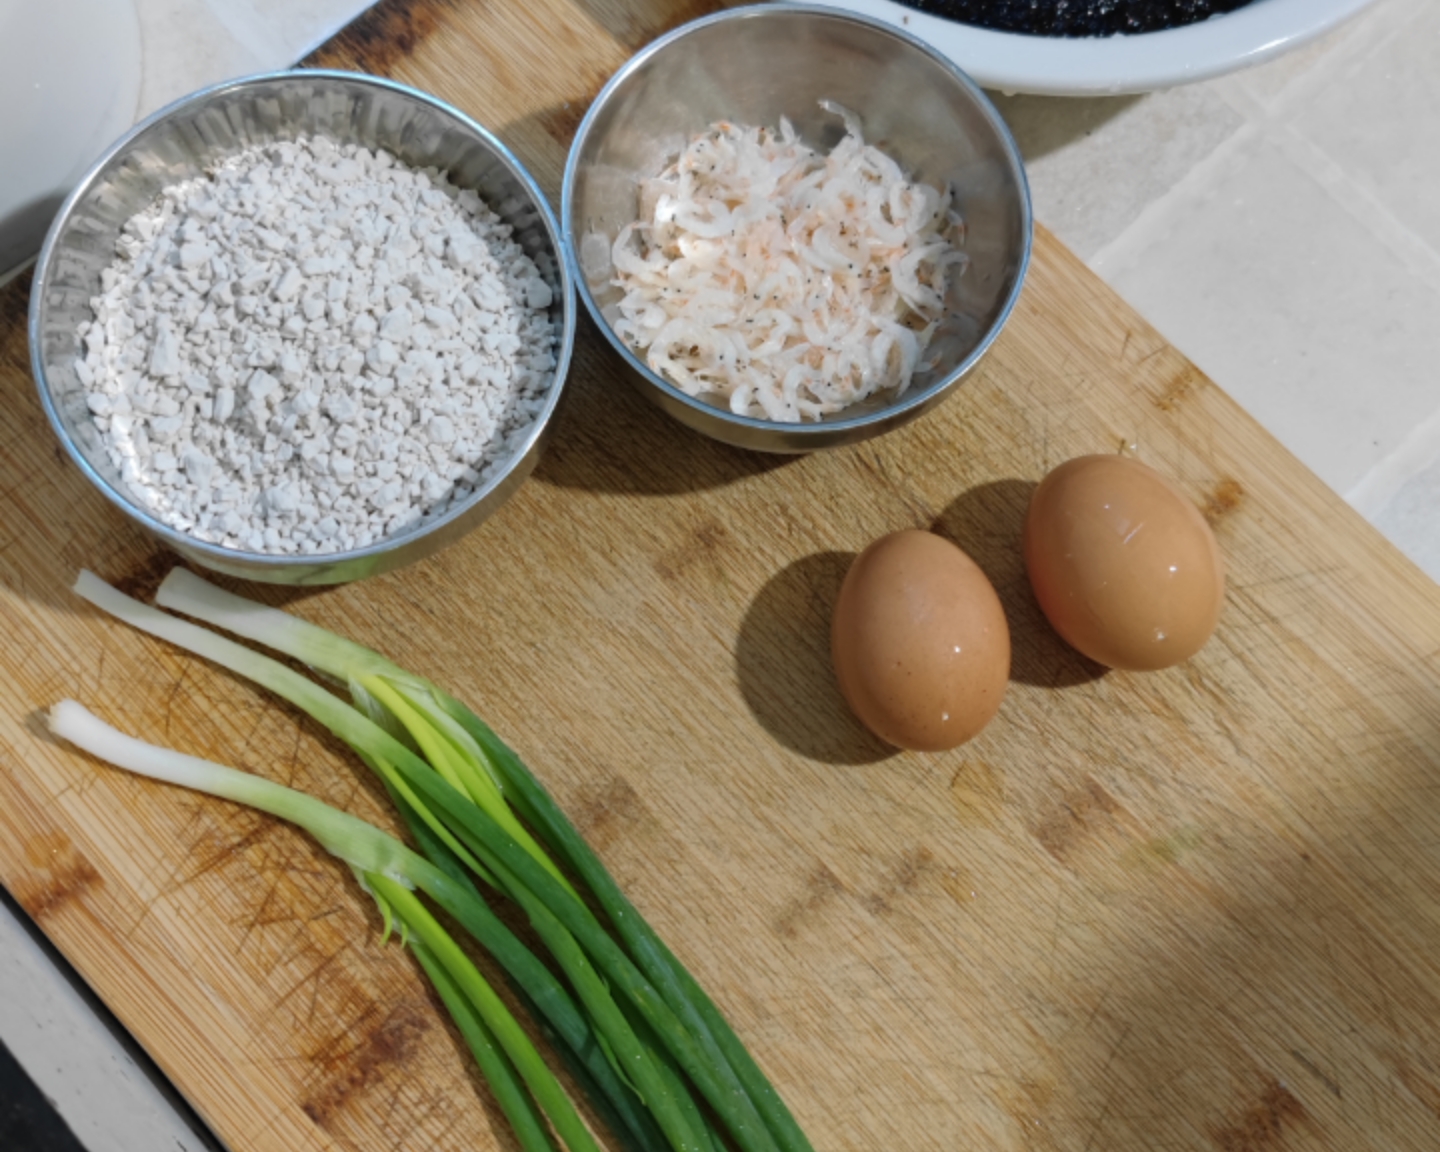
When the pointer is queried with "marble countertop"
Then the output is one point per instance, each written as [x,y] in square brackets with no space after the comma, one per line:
[1278,225]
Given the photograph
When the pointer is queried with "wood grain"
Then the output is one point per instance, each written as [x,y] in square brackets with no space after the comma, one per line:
[1197,909]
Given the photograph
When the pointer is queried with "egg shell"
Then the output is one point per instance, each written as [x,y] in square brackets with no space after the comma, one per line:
[919,642]
[1124,566]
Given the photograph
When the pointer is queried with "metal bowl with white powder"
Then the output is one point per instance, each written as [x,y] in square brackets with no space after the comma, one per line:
[304,327]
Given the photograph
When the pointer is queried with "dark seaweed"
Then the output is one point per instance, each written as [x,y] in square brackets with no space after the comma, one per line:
[1075,17]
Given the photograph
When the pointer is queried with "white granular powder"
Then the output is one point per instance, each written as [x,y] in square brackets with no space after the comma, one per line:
[313,348]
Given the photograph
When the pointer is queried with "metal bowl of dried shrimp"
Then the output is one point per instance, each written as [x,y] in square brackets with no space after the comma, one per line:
[800,227]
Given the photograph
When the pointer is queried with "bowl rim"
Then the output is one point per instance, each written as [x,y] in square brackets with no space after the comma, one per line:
[228,557]
[823,430]
[1125,63]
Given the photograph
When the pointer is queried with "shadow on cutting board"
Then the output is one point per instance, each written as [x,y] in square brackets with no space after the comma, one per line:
[1272,991]
[609,438]
[634,23]
[45,503]
[47,507]
[783,651]
[782,657]
[985,522]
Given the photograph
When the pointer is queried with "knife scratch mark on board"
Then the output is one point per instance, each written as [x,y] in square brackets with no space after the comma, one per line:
[383,1044]
[1027,1103]
[875,464]
[1309,1066]
[215,848]
[604,812]
[1180,387]
[1263,1124]
[705,546]
[1104,1114]
[977,791]
[263,916]
[141,580]
[1223,500]
[382,36]
[1081,814]
[907,874]
[312,981]
[168,708]
[68,875]
[821,888]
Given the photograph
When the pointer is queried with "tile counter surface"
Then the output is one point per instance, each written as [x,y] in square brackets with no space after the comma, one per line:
[1280,226]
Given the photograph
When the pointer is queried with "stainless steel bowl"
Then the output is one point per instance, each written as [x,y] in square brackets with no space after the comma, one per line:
[753,65]
[178,143]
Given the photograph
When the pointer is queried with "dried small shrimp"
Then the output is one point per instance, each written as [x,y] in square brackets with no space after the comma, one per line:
[782,282]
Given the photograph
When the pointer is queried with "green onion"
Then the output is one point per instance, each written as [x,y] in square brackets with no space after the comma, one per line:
[379,747]
[390,871]
[583,1051]
[367,850]
[363,846]
[537,892]
[514,1101]
[491,1011]
[348,661]
[650,952]
[459,771]
[401,769]
[460,790]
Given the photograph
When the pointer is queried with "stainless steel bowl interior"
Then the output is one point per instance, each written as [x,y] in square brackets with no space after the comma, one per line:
[753,65]
[201,130]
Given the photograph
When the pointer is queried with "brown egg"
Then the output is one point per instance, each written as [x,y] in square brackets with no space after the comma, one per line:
[1124,566]
[920,643]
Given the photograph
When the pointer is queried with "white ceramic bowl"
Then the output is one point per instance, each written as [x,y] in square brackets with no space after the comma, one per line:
[1103,66]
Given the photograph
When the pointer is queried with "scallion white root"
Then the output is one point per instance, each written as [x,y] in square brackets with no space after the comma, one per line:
[361,845]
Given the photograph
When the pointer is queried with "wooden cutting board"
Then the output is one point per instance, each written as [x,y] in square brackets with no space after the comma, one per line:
[1197,909]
